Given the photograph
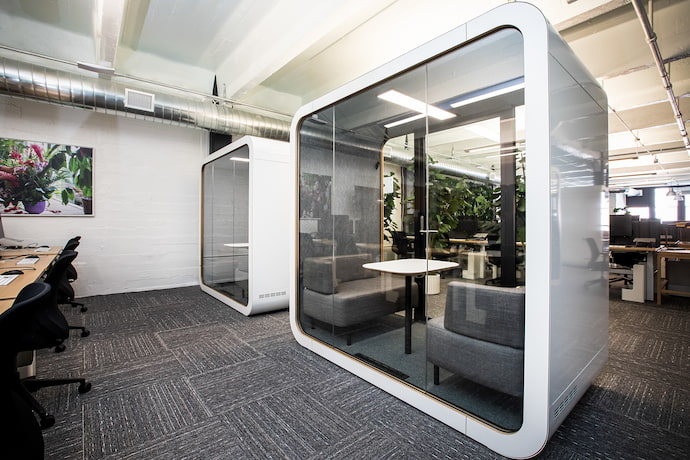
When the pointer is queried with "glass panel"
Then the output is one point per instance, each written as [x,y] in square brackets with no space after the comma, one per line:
[476,193]
[428,165]
[225,264]
[316,227]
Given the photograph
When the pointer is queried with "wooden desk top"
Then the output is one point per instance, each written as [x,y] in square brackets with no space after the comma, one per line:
[31,273]
[620,248]
[468,241]
[682,253]
[30,251]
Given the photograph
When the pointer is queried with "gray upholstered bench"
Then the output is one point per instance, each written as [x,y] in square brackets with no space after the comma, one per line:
[347,294]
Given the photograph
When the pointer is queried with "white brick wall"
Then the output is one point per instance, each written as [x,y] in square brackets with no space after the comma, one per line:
[145,231]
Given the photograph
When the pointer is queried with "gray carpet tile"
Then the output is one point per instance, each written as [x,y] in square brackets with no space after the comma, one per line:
[117,421]
[142,371]
[227,388]
[177,338]
[260,327]
[210,439]
[348,394]
[120,349]
[304,364]
[288,423]
[371,441]
[66,437]
[597,434]
[659,404]
[431,436]
[178,375]
[199,358]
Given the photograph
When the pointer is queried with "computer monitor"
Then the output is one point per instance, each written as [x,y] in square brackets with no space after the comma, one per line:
[466,227]
[9,242]
[647,228]
[621,229]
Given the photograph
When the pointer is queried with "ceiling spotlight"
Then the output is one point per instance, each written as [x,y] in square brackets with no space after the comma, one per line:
[670,192]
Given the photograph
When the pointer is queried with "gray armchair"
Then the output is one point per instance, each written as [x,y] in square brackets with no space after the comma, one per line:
[481,336]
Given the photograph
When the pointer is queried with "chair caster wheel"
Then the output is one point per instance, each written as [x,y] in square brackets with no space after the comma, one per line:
[60,348]
[47,422]
[84,387]
[84,309]
[85,333]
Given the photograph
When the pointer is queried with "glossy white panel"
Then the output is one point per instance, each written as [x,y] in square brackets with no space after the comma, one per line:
[268,220]
[565,337]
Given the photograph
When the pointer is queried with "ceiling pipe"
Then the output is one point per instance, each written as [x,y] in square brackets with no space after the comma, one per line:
[666,80]
[103,95]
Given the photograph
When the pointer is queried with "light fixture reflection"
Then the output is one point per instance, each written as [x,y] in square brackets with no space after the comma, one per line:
[409,102]
[489,95]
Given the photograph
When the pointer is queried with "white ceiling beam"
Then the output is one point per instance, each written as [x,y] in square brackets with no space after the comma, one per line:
[107,24]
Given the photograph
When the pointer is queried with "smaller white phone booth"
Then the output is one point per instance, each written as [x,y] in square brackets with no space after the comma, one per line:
[244,214]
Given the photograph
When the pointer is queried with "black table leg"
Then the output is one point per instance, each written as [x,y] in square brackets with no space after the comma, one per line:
[408,314]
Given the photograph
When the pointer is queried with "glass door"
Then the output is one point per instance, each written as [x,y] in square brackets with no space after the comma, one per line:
[225,246]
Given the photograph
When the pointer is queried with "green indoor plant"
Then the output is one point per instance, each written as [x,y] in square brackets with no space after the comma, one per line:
[28,175]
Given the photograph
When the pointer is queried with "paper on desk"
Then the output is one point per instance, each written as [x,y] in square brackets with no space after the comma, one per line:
[28,261]
[41,249]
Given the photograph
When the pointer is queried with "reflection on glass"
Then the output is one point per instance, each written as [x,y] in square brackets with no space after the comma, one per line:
[226,222]
[429,165]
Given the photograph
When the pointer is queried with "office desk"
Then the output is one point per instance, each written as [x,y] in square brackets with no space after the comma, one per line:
[410,268]
[476,261]
[650,266]
[662,256]
[8,261]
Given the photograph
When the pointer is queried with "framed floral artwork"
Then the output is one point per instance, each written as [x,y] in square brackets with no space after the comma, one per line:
[40,178]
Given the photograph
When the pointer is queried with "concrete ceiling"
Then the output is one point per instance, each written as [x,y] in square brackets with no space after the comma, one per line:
[281,54]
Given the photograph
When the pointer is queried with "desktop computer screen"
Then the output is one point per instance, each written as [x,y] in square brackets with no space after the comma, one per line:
[621,229]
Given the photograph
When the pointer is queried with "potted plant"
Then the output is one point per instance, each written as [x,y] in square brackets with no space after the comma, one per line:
[28,177]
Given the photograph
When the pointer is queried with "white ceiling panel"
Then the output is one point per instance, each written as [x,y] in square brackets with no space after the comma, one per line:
[279,55]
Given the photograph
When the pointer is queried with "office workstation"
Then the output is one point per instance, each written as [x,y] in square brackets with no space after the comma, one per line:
[191,352]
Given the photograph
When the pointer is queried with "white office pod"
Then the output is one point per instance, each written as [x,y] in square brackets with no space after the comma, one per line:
[480,158]
[245,237]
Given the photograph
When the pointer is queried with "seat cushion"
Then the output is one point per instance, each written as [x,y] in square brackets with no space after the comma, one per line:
[498,367]
[356,301]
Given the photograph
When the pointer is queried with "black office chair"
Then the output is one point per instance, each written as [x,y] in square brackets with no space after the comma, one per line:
[622,262]
[66,292]
[34,321]
[57,278]
[401,245]
[20,436]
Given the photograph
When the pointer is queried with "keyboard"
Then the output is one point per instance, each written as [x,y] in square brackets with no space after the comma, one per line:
[7,279]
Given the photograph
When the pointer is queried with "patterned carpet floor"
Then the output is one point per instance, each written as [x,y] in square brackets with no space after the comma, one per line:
[178,375]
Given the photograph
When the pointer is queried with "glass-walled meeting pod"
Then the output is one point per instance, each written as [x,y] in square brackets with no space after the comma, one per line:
[245,238]
[496,138]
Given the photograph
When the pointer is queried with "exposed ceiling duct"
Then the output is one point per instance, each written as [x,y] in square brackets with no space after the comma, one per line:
[104,95]
[658,59]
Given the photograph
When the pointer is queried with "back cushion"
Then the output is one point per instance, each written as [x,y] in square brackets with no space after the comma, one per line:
[489,313]
[320,277]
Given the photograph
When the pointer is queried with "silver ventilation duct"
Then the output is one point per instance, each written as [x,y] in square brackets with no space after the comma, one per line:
[405,158]
[103,95]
